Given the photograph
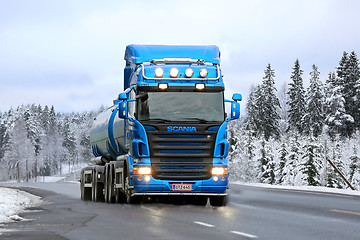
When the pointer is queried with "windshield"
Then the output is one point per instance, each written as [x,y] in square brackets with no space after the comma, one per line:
[181,106]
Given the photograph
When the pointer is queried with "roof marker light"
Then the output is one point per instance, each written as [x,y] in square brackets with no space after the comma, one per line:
[174,72]
[203,72]
[159,72]
[189,72]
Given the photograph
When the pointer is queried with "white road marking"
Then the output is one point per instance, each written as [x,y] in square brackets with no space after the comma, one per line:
[204,224]
[244,234]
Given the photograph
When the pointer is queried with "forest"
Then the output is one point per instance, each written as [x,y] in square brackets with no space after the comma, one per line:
[38,141]
[286,136]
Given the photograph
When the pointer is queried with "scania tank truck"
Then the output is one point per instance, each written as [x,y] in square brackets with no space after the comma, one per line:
[166,133]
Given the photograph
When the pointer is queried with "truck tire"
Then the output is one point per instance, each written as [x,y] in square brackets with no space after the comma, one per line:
[128,197]
[110,184]
[106,183]
[97,188]
[218,201]
[85,192]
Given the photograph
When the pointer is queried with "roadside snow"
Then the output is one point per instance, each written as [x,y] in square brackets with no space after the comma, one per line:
[303,188]
[13,201]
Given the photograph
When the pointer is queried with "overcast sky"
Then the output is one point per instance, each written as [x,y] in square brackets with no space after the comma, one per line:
[70,53]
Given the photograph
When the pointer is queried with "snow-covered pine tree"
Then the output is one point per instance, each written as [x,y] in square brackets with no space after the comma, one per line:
[268,103]
[284,108]
[290,170]
[283,158]
[69,143]
[354,175]
[311,162]
[334,179]
[313,119]
[266,163]
[251,121]
[336,118]
[351,91]
[248,147]
[296,99]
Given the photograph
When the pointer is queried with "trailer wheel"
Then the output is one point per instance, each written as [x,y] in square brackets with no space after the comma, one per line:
[218,201]
[85,192]
[109,186]
[97,188]
[106,189]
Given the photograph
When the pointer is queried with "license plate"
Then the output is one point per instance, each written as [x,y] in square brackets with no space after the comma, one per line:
[181,187]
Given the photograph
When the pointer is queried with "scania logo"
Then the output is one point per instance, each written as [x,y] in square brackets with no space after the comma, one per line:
[181,129]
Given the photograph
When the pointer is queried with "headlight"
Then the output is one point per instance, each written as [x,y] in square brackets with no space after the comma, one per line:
[203,72]
[174,72]
[142,171]
[219,171]
[159,72]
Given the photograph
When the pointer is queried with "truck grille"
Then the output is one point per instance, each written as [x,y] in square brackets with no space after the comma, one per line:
[181,155]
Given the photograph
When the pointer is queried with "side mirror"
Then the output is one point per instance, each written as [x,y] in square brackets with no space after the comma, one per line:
[122,96]
[235,110]
[123,109]
[237,97]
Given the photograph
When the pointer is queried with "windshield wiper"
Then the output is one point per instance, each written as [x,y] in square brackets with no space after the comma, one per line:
[156,120]
[200,120]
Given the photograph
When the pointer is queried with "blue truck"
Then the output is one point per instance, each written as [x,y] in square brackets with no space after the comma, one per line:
[166,133]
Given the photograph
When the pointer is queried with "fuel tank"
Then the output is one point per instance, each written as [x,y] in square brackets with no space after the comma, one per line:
[107,135]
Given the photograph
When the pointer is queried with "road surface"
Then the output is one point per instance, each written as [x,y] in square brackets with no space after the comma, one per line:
[253,213]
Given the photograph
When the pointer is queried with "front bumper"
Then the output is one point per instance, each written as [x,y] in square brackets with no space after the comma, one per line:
[154,187]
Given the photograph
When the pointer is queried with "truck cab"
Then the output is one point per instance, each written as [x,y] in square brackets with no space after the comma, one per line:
[171,134]
[175,111]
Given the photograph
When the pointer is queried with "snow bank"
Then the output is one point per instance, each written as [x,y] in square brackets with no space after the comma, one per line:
[303,188]
[13,201]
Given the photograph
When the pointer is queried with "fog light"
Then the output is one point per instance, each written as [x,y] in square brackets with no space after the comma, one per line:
[223,178]
[215,178]
[163,86]
[200,86]
[189,72]
[174,72]
[147,178]
[139,178]
[159,72]
[203,72]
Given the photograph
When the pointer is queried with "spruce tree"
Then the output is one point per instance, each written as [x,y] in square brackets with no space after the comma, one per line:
[283,156]
[296,99]
[311,163]
[269,104]
[252,112]
[336,118]
[314,118]
[354,175]
[266,164]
